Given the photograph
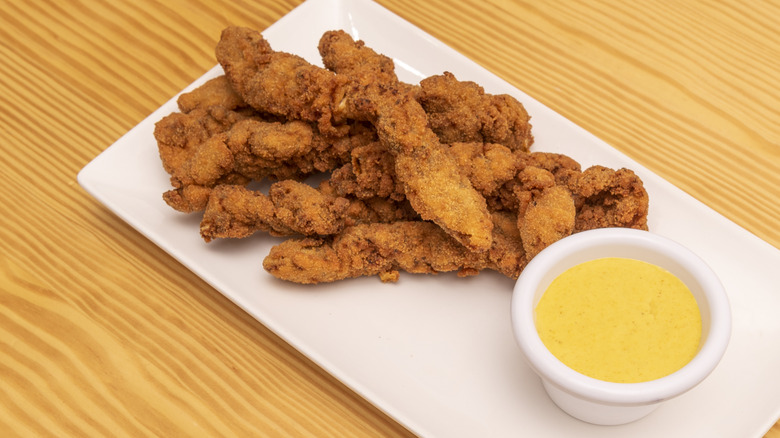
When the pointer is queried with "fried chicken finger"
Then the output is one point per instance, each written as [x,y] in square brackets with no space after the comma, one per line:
[385,248]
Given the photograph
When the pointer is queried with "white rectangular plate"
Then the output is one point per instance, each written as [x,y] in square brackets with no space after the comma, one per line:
[437,352]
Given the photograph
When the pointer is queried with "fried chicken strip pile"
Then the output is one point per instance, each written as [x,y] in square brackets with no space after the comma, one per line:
[542,188]
[287,85]
[422,178]
[457,111]
[549,204]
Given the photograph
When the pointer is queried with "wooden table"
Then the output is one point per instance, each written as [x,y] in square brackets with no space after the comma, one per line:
[689,89]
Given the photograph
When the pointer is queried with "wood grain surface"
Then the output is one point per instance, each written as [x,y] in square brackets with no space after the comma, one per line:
[103,334]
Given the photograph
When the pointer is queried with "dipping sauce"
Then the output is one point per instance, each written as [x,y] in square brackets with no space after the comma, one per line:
[620,320]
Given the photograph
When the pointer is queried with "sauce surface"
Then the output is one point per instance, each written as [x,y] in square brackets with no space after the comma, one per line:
[620,320]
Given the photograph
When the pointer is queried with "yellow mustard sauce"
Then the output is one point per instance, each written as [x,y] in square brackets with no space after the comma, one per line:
[620,320]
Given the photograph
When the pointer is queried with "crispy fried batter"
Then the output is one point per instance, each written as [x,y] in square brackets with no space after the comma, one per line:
[507,255]
[548,219]
[609,198]
[215,92]
[384,249]
[561,166]
[191,198]
[287,85]
[254,150]
[487,165]
[291,207]
[207,111]
[179,134]
[371,173]
[280,83]
[433,183]
[343,55]
[370,249]
[425,179]
[461,111]
[372,170]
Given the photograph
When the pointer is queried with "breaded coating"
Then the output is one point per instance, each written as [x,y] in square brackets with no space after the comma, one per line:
[343,55]
[280,83]
[548,219]
[259,150]
[561,166]
[609,198]
[287,85]
[440,192]
[215,92]
[423,179]
[192,198]
[291,207]
[536,171]
[366,210]
[371,173]
[506,255]
[372,170]
[433,183]
[371,249]
[487,165]
[384,249]
[378,210]
[253,150]
[179,134]
[493,170]
[461,111]
[209,110]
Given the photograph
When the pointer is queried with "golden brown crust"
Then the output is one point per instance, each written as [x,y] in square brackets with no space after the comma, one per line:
[343,55]
[609,198]
[424,179]
[461,111]
[548,219]
[286,85]
[216,92]
[290,208]
[384,249]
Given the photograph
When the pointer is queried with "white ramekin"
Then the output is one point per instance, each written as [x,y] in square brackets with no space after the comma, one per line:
[608,403]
